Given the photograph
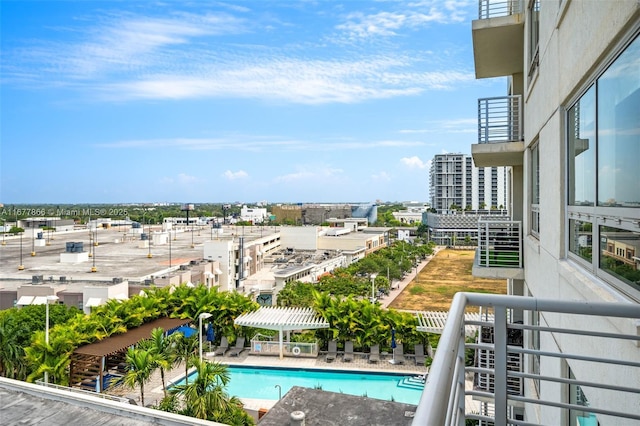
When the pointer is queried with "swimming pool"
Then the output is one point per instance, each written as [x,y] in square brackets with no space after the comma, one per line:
[260,383]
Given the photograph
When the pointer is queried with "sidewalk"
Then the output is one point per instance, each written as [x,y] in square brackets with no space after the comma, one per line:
[409,278]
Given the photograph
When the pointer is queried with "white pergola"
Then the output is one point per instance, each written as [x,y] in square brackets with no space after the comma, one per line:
[281,319]
[434,321]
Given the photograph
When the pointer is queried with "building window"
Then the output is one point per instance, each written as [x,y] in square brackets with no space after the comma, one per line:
[580,239]
[620,254]
[603,197]
[534,35]
[581,137]
[535,190]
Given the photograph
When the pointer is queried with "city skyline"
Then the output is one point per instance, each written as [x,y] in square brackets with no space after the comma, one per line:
[119,102]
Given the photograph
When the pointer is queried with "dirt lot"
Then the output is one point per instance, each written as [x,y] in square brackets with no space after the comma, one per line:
[446,274]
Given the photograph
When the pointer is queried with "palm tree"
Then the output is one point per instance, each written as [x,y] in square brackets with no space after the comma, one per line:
[205,395]
[10,351]
[159,346]
[183,348]
[140,364]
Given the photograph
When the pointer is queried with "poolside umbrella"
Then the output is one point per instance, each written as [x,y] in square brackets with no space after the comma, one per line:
[211,334]
[393,345]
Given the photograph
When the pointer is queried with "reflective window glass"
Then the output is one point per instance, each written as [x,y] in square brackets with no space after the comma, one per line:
[580,238]
[619,131]
[582,149]
[620,254]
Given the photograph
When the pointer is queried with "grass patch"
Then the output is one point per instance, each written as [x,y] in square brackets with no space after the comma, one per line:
[446,274]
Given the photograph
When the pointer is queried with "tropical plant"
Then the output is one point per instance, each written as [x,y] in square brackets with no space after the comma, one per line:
[183,349]
[140,367]
[159,346]
[11,353]
[205,397]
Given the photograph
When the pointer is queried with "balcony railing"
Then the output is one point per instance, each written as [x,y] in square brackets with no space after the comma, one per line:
[600,339]
[500,119]
[495,8]
[499,244]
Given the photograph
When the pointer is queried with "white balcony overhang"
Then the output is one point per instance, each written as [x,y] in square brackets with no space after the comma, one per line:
[498,154]
[498,45]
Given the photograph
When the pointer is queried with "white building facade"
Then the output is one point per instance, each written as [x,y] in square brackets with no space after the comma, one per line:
[253,214]
[571,137]
[454,180]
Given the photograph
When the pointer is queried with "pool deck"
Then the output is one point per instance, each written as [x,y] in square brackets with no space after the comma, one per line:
[153,389]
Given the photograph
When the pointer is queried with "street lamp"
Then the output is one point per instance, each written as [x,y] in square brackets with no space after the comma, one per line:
[149,255]
[50,298]
[21,266]
[373,281]
[202,316]
[93,268]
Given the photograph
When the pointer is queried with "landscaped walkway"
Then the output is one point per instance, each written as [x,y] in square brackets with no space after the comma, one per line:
[400,286]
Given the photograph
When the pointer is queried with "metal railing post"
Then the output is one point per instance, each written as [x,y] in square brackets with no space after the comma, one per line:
[500,365]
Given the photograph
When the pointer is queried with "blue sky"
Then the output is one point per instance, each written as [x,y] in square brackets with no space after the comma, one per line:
[206,101]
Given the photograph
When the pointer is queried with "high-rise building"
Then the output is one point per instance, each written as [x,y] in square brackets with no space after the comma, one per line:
[566,350]
[455,181]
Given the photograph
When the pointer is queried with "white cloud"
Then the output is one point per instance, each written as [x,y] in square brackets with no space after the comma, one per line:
[413,162]
[381,177]
[181,178]
[185,178]
[310,172]
[240,174]
[132,57]
[359,25]
[258,143]
[458,125]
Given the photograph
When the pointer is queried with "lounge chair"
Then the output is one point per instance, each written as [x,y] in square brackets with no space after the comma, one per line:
[239,347]
[398,354]
[223,348]
[348,351]
[333,351]
[374,356]
[420,358]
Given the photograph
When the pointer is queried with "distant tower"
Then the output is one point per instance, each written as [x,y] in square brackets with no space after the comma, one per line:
[454,180]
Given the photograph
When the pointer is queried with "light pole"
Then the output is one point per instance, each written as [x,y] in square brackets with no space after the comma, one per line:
[202,316]
[93,246]
[149,255]
[21,266]
[373,281]
[50,298]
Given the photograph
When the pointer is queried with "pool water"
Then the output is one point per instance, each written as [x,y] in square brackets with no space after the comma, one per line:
[260,383]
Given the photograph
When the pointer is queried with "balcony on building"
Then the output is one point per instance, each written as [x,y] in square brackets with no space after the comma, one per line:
[499,252]
[498,38]
[500,132]
[501,371]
